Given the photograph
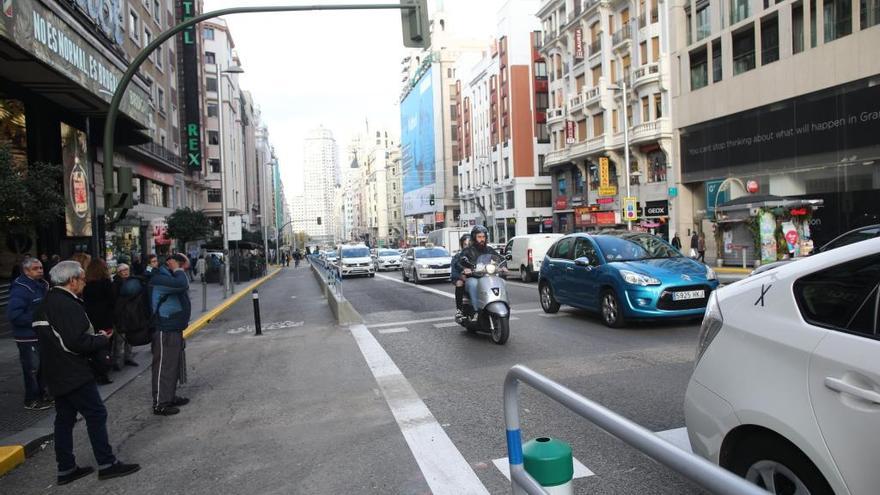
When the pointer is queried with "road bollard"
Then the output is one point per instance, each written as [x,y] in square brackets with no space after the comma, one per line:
[550,462]
[256,297]
[204,294]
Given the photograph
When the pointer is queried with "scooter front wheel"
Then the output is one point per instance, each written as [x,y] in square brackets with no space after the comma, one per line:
[500,329]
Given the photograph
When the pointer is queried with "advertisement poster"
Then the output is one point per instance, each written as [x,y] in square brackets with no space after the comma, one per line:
[791,236]
[768,237]
[728,241]
[78,207]
[417,147]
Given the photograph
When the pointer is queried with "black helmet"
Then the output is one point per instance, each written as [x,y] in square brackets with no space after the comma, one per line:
[479,229]
[463,239]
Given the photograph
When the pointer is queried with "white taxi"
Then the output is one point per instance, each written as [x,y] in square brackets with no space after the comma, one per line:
[786,388]
[426,263]
[354,259]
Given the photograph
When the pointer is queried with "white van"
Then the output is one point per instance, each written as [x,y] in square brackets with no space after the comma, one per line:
[527,253]
[354,259]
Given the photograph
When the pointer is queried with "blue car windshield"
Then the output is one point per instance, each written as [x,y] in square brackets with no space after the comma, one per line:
[356,253]
[388,252]
[432,253]
[634,248]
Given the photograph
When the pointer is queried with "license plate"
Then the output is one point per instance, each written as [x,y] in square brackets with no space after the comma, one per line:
[688,294]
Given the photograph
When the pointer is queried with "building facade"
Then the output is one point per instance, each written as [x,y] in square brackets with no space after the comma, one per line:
[782,96]
[501,179]
[594,49]
[320,182]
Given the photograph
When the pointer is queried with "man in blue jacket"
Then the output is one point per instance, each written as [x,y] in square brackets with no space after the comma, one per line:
[169,298]
[25,295]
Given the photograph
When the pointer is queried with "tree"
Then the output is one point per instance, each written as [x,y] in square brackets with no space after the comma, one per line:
[30,197]
[186,224]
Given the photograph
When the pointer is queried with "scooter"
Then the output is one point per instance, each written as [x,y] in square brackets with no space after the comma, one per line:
[486,307]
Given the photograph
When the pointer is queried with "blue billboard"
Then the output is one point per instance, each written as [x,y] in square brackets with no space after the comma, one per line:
[417,147]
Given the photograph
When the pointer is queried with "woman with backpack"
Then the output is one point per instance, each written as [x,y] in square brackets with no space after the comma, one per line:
[124,286]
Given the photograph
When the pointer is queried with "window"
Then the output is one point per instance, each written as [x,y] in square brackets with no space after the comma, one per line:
[542,101]
[699,69]
[656,166]
[655,48]
[797,28]
[158,55]
[770,40]
[208,33]
[562,249]
[584,248]
[213,137]
[744,50]
[214,195]
[658,105]
[704,24]
[582,130]
[615,121]
[643,52]
[646,109]
[148,38]
[541,69]
[157,12]
[211,84]
[542,169]
[538,198]
[870,13]
[506,168]
[599,124]
[843,297]
[838,19]
[134,28]
[613,71]
[157,194]
[511,200]
[214,165]
[543,134]
[813,24]
[716,60]
[210,58]
[212,110]
[160,96]
[739,10]
[597,74]
[561,185]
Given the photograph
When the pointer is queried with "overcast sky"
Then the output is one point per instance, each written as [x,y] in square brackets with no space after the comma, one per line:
[334,69]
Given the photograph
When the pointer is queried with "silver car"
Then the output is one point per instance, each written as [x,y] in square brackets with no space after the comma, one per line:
[426,263]
[387,259]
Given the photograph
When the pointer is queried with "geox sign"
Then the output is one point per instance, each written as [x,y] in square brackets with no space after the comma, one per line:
[108,15]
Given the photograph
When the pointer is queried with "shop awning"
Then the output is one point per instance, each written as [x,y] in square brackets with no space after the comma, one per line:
[750,201]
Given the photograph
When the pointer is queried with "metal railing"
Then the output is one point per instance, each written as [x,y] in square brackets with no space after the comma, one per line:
[700,471]
[160,152]
[596,46]
[621,35]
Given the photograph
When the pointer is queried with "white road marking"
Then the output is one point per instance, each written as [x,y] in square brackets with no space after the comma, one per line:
[420,287]
[444,468]
[520,284]
[442,318]
[394,330]
[677,437]
[580,471]
[446,324]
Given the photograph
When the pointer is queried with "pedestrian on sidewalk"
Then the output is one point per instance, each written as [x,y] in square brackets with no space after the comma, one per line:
[98,301]
[25,295]
[137,267]
[701,247]
[695,244]
[171,308]
[151,267]
[124,287]
[66,339]
[83,259]
[201,267]
[676,241]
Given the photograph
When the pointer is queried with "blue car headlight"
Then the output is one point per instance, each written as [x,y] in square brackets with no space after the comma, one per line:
[638,279]
[710,274]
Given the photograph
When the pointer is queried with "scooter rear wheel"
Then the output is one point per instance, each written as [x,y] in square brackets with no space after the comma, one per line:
[500,329]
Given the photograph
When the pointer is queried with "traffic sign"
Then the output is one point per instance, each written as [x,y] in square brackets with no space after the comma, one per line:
[234,223]
[608,191]
[630,208]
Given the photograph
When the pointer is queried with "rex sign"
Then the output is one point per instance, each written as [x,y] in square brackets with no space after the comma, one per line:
[190,74]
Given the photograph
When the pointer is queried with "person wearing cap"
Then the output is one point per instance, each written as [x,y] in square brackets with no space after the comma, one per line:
[170,304]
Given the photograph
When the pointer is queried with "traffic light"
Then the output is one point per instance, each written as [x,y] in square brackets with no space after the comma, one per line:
[431,201]
[116,205]
[416,32]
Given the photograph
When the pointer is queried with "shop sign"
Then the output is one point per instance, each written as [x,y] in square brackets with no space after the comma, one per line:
[548,222]
[607,190]
[579,44]
[561,203]
[42,33]
[192,113]
[606,217]
[78,208]
[604,175]
[582,216]
[605,201]
[655,209]
[150,173]
[569,132]
[798,212]
[630,211]
[159,229]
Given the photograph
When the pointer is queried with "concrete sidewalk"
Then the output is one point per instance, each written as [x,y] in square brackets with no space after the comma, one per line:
[30,430]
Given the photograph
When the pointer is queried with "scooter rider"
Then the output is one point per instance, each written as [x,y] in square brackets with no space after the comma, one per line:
[455,277]
[479,246]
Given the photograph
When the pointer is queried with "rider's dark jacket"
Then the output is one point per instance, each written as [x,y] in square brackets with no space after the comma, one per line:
[473,252]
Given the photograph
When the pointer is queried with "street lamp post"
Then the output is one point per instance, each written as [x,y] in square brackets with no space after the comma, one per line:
[623,93]
[224,212]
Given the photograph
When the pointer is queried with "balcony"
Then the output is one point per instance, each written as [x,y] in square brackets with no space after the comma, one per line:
[160,156]
[595,144]
[593,94]
[621,36]
[596,46]
[555,158]
[649,131]
[646,74]
[576,102]
[549,36]
[555,115]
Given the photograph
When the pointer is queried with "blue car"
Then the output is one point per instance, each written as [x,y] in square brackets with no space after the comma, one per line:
[624,275]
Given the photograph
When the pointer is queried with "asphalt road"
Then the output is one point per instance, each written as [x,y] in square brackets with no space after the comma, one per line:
[640,372]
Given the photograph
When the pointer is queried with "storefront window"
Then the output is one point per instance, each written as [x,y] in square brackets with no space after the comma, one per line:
[157,194]
[656,166]
[13,130]
[578,180]
[594,176]
[561,185]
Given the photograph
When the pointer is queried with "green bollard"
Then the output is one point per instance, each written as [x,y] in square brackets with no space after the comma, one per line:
[549,461]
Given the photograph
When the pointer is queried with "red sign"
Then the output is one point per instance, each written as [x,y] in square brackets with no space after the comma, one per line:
[605,218]
[439,217]
[582,216]
[548,222]
[752,186]
[561,203]
[798,212]
[578,43]
[150,173]
[605,201]
[569,132]
[792,237]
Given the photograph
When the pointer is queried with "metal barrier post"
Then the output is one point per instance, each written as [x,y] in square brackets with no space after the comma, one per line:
[744,256]
[700,471]
[257,326]
[204,294]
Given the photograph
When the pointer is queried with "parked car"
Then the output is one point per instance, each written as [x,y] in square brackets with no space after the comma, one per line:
[527,253]
[354,259]
[786,387]
[624,275]
[426,263]
[855,235]
[387,259]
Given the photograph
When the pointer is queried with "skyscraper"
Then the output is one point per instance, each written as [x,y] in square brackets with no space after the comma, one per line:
[320,178]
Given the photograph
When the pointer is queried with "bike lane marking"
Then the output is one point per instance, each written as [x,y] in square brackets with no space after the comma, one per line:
[420,287]
[394,330]
[445,469]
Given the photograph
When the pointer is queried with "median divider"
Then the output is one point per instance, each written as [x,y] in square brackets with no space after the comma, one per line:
[343,311]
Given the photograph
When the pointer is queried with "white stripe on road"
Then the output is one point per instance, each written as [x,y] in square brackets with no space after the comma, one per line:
[677,437]
[520,284]
[443,466]
[441,318]
[580,471]
[394,330]
[447,324]
[415,286]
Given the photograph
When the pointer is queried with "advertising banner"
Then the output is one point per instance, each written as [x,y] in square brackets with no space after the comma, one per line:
[78,207]
[579,44]
[604,175]
[791,236]
[191,98]
[607,190]
[768,237]
[569,132]
[417,147]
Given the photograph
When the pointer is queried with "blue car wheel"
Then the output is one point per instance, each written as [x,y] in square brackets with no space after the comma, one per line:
[612,313]
[548,302]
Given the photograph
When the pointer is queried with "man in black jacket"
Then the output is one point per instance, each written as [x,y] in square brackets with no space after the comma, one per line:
[66,340]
